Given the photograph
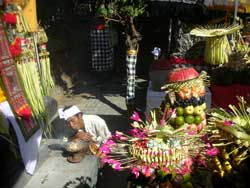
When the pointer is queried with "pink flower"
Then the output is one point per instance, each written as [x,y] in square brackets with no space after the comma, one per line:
[120,136]
[166,170]
[135,124]
[123,138]
[188,162]
[111,161]
[173,113]
[135,117]
[118,133]
[228,123]
[135,171]
[162,122]
[134,132]
[109,142]
[105,148]
[116,165]
[142,135]
[146,170]
[185,170]
[212,151]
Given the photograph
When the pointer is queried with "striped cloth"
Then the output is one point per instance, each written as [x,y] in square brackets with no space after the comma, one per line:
[102,52]
[131,72]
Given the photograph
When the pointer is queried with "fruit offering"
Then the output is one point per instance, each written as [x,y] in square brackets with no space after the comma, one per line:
[186,90]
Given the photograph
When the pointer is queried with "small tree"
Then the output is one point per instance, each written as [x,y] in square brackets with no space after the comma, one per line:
[126,13]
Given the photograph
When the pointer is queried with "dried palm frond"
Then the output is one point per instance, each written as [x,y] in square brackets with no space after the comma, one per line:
[203,79]
[217,47]
[215,31]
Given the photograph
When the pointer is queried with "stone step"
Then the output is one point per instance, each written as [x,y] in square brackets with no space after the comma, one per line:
[21,177]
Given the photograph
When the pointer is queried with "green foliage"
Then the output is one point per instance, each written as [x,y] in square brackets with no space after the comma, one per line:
[121,8]
[124,12]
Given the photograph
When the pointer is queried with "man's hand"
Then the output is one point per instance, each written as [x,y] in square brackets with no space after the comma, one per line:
[84,136]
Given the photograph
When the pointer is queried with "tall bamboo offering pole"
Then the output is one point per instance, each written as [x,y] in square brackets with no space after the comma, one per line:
[29,12]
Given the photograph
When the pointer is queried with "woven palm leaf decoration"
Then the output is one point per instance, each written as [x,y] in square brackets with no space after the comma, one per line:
[217,47]
[151,146]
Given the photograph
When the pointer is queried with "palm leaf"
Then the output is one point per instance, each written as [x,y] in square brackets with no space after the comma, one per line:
[215,31]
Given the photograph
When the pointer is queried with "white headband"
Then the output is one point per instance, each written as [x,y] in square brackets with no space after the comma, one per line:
[65,114]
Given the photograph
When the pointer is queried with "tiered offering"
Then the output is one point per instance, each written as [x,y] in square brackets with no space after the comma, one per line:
[186,90]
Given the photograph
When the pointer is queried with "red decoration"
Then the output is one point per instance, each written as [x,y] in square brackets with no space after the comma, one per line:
[100,27]
[9,18]
[11,83]
[182,74]
[179,60]
[24,112]
[15,47]
[4,47]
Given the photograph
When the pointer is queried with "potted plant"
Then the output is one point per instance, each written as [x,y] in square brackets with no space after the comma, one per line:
[126,13]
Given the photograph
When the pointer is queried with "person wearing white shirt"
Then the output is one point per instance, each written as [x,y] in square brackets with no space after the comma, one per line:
[89,128]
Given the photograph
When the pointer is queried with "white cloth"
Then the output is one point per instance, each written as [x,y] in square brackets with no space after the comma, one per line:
[65,114]
[29,149]
[154,98]
[97,127]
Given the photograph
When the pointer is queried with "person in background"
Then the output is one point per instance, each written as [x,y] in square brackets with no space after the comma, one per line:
[89,128]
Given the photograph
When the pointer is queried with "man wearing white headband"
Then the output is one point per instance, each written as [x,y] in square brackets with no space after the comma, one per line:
[90,128]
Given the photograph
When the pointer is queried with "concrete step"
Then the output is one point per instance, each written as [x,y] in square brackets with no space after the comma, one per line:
[53,170]
[21,177]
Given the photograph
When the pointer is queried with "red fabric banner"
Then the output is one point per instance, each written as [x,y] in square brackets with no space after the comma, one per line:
[222,96]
